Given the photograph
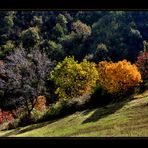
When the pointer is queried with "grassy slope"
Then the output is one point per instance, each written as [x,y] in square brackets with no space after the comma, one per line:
[122,119]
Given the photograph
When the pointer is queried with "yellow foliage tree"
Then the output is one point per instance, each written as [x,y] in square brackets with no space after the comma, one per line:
[118,77]
[74,79]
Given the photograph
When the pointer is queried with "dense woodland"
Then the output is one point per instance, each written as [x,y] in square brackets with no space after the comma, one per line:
[56,62]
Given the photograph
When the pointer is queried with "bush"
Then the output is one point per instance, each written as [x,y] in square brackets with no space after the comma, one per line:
[37,115]
[73,79]
[56,107]
[5,116]
[39,109]
[142,64]
[118,78]
[40,103]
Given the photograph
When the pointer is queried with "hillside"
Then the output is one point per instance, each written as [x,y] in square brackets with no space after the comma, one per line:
[128,118]
[54,63]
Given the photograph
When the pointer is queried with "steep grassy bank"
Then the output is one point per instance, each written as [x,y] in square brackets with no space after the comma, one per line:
[127,118]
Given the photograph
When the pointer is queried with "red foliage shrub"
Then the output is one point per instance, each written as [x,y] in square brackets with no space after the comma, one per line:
[5,116]
[142,64]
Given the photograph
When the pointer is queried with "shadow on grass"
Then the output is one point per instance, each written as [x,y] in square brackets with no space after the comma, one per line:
[106,104]
[9,133]
[104,108]
[29,128]
[105,111]
[48,120]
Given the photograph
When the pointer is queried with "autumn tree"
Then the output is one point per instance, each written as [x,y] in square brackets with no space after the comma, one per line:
[5,117]
[73,79]
[40,103]
[118,77]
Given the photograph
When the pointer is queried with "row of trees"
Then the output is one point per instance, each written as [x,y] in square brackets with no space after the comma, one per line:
[23,78]
[50,58]
[74,79]
[114,35]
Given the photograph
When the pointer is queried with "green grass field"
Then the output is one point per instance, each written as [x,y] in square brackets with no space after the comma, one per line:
[128,118]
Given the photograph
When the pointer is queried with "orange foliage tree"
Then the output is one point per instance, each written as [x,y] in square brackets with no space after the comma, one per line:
[41,103]
[118,77]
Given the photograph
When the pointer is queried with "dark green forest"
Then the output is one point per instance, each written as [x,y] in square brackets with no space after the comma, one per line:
[78,33]
[51,61]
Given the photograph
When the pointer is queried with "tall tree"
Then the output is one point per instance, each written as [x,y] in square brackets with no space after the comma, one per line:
[25,78]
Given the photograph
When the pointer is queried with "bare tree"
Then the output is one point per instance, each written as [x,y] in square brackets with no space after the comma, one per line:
[25,78]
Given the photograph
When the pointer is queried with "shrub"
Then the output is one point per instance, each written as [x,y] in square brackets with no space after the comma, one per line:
[142,64]
[40,103]
[56,108]
[5,116]
[118,77]
[37,115]
[40,109]
[73,79]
